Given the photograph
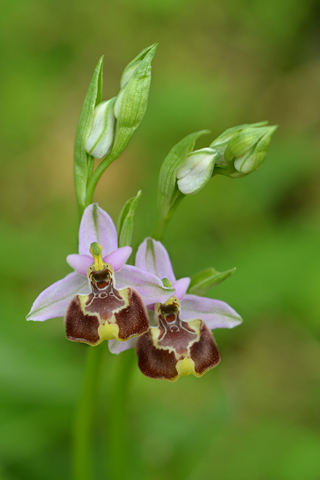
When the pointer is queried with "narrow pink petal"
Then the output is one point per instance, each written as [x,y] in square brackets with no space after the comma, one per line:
[97,226]
[215,313]
[80,263]
[181,286]
[154,258]
[118,347]
[54,300]
[118,258]
[147,285]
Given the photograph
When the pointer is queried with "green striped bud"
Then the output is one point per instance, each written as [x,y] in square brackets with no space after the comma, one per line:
[131,102]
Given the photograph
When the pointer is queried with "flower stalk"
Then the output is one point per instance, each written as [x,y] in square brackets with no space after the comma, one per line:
[85,415]
[117,426]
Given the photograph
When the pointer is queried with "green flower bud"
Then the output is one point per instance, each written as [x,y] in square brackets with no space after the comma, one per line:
[242,148]
[196,170]
[131,102]
[101,135]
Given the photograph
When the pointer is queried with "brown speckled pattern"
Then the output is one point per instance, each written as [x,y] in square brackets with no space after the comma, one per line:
[80,327]
[132,320]
[153,362]
[205,352]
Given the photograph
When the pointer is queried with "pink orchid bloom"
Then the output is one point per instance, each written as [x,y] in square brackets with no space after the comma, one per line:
[181,343]
[97,227]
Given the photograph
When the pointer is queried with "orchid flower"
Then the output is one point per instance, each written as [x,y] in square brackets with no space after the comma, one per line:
[181,343]
[99,256]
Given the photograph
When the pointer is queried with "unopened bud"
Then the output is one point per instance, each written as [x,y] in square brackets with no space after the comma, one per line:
[242,148]
[131,102]
[100,139]
[196,170]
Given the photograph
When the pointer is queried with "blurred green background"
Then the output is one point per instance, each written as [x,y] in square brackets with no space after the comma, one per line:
[218,64]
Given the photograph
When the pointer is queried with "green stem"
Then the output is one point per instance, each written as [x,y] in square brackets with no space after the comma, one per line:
[117,458]
[160,228]
[84,419]
[163,221]
[94,177]
[81,208]
[97,174]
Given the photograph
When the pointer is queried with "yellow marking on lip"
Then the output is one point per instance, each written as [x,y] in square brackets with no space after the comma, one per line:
[185,367]
[108,331]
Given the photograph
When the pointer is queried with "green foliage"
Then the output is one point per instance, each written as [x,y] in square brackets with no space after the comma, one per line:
[83,162]
[203,281]
[126,220]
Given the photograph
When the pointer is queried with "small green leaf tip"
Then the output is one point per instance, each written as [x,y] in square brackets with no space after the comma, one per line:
[203,281]
[126,220]
[242,148]
[133,65]
[82,160]
[166,282]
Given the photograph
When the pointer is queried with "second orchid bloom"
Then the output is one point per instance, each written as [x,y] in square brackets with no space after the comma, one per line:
[180,343]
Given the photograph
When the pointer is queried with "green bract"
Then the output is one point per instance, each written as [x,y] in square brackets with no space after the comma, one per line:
[202,282]
[133,65]
[83,162]
[126,220]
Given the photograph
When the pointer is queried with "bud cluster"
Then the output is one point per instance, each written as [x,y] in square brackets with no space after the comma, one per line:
[235,153]
[105,127]
[242,149]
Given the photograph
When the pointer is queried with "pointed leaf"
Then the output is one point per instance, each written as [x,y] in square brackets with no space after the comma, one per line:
[202,282]
[82,159]
[126,220]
